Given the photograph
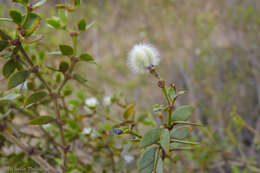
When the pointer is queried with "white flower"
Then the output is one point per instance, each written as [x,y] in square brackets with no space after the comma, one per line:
[87,130]
[107,100]
[128,158]
[46,126]
[91,102]
[142,56]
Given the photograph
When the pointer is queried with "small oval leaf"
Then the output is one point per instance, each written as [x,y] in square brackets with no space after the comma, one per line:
[63,67]
[147,160]
[182,113]
[4,36]
[151,137]
[129,111]
[16,16]
[35,97]
[53,23]
[86,57]
[165,140]
[9,68]
[3,44]
[66,50]
[180,132]
[32,23]
[82,25]
[41,120]
[17,78]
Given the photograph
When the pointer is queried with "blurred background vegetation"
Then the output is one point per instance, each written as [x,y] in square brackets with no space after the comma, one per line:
[210,49]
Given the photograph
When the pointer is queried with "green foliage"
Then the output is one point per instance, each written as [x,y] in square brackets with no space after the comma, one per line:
[151,137]
[165,140]
[41,120]
[35,97]
[147,160]
[17,79]
[3,44]
[66,50]
[218,69]
[180,132]
[182,113]
[86,57]
[82,25]
[16,16]
[31,23]
[9,68]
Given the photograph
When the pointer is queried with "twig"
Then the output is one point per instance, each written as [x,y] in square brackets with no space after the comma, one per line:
[27,149]
[19,44]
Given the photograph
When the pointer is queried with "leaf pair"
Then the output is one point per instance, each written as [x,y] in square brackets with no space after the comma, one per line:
[29,23]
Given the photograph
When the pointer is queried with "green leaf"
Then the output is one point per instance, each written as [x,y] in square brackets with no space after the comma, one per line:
[3,44]
[4,36]
[182,113]
[17,79]
[180,132]
[77,3]
[151,137]
[63,16]
[35,97]
[53,23]
[8,98]
[129,111]
[66,50]
[157,108]
[24,2]
[82,25]
[16,16]
[79,79]
[165,140]
[41,120]
[9,68]
[147,160]
[159,168]
[171,93]
[86,57]
[39,3]
[63,67]
[32,23]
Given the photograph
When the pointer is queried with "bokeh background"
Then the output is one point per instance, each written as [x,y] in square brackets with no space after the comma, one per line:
[210,48]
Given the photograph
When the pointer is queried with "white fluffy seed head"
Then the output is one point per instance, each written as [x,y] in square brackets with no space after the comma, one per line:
[107,101]
[91,102]
[142,56]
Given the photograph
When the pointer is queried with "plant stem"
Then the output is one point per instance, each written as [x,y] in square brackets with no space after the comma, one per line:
[184,142]
[5,19]
[133,133]
[63,141]
[187,123]
[37,73]
[26,148]
[157,160]
[181,148]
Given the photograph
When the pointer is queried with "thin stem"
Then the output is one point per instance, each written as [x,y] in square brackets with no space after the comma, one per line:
[184,142]
[63,141]
[3,19]
[37,73]
[181,148]
[26,149]
[157,160]
[134,133]
[67,77]
[186,123]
